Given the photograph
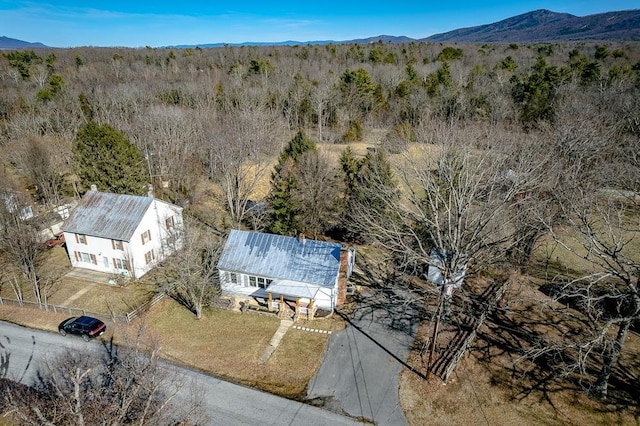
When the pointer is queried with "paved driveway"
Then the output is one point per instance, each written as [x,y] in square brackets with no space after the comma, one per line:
[361,365]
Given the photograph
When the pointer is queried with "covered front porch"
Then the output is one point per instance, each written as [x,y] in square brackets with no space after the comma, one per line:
[287,299]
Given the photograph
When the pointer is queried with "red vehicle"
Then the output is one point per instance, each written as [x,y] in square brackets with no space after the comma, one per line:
[57,240]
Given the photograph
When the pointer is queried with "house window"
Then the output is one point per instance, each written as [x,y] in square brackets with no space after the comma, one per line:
[119,263]
[145,236]
[233,278]
[86,257]
[169,222]
[117,245]
[259,282]
[172,238]
[149,256]
[81,239]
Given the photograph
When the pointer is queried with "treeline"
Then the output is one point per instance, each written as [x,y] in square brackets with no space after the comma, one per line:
[186,106]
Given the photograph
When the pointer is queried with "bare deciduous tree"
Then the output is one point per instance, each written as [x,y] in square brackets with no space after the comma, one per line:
[239,146]
[317,194]
[459,208]
[190,275]
[40,160]
[22,245]
[117,386]
[603,231]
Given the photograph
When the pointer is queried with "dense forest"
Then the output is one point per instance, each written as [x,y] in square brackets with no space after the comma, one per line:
[480,157]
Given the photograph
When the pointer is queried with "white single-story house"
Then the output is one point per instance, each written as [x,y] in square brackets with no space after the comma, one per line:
[297,269]
[122,234]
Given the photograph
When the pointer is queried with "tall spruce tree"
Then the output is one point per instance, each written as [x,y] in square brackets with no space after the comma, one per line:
[103,156]
[284,182]
[369,186]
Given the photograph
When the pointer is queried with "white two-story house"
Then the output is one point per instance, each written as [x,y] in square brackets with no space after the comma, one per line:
[122,234]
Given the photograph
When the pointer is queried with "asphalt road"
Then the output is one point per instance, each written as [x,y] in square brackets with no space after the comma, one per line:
[23,349]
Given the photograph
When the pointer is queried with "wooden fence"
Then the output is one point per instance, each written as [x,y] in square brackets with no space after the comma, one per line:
[445,365]
[127,318]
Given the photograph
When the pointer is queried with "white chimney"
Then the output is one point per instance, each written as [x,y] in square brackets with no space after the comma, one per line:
[93,188]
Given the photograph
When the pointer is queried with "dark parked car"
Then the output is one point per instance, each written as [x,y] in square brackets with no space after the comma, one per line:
[87,327]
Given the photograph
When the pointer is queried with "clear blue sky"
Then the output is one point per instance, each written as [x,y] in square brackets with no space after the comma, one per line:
[139,23]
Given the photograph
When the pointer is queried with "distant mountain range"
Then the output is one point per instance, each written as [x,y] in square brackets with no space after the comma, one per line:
[12,43]
[537,26]
[545,26]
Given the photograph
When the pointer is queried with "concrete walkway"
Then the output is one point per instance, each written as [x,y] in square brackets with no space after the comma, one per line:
[275,340]
[77,295]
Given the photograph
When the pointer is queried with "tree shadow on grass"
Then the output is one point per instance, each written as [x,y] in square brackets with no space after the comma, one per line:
[509,338]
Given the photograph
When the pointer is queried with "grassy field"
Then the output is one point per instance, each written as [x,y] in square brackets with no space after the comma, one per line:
[230,344]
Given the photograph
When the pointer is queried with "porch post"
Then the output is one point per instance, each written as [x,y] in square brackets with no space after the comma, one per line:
[297,307]
[281,306]
[270,302]
[310,310]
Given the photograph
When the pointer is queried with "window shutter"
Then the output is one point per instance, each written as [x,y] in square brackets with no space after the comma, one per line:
[149,234]
[75,253]
[114,263]
[153,254]
[113,244]
[93,259]
[77,240]
[142,238]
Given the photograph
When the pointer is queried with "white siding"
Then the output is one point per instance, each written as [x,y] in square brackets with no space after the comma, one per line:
[162,243]
[97,250]
[325,296]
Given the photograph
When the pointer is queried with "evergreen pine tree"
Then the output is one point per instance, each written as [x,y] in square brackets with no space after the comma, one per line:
[370,186]
[284,207]
[104,157]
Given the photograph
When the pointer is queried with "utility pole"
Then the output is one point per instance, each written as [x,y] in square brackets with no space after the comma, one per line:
[434,336]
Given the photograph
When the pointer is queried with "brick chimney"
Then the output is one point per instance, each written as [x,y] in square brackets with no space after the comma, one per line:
[342,277]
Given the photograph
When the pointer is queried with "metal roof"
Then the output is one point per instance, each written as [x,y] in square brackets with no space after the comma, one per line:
[106,215]
[281,257]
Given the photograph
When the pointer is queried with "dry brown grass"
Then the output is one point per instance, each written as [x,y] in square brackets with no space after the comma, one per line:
[492,385]
[103,298]
[230,345]
[225,343]
[297,358]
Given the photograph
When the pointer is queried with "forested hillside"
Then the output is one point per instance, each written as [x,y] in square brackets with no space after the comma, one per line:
[482,159]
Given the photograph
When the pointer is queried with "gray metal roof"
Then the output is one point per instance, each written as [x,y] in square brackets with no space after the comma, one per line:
[280,257]
[106,215]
